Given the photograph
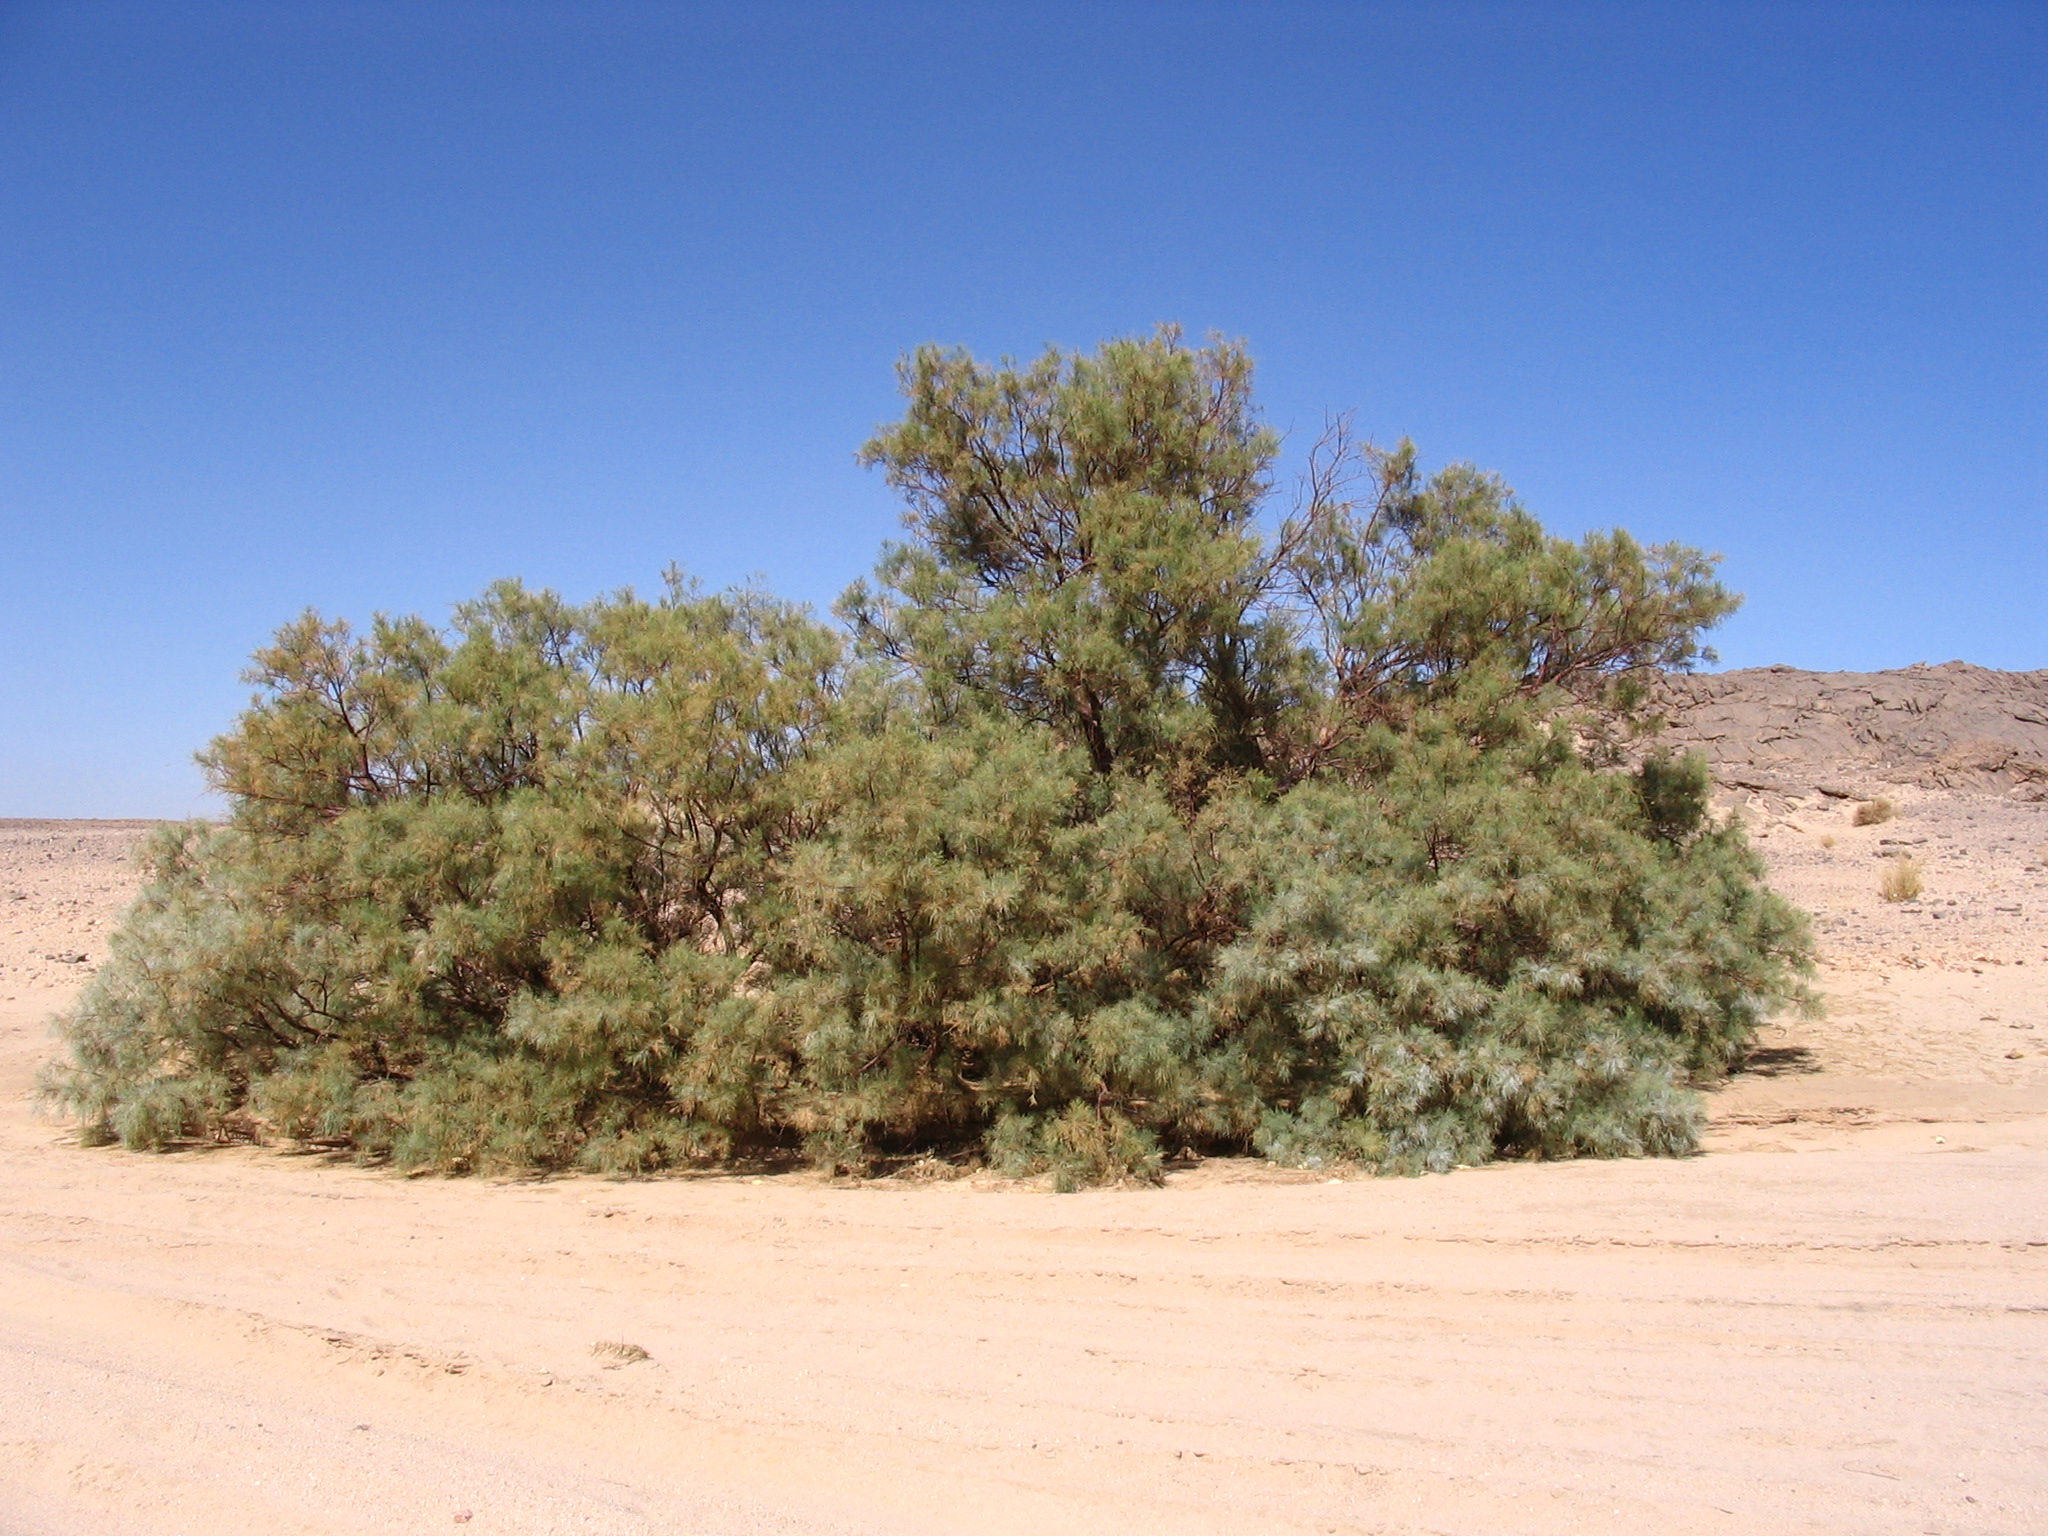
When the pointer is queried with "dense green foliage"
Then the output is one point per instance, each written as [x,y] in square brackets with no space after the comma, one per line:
[1121,817]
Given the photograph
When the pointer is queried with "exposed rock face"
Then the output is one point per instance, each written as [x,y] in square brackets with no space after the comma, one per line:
[1778,730]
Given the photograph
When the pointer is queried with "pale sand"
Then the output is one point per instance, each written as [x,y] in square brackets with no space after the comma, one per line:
[1836,1320]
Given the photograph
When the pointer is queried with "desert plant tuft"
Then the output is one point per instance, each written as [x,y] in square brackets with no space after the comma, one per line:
[1120,815]
[1080,1145]
[1901,881]
[1872,813]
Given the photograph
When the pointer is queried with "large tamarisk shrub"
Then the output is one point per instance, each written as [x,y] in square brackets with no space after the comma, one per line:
[1123,815]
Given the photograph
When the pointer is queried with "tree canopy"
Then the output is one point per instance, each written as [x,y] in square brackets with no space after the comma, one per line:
[1131,811]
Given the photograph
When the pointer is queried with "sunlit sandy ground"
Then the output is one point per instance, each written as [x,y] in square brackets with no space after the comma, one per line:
[1835,1320]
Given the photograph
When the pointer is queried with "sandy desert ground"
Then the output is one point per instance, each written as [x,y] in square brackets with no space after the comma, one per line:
[1835,1320]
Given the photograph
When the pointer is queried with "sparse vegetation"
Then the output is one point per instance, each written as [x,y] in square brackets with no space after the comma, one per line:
[1827,839]
[1873,813]
[1901,880]
[1114,820]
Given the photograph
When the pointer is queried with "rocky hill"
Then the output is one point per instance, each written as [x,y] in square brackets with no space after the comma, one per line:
[1781,731]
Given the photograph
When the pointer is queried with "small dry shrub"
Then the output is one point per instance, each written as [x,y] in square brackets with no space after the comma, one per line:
[1827,840]
[617,1352]
[1872,813]
[1080,1146]
[1901,881]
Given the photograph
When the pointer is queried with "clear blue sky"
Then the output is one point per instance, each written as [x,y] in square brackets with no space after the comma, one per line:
[361,305]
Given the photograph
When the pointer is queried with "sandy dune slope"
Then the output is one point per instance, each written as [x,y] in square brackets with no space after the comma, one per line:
[1836,1320]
